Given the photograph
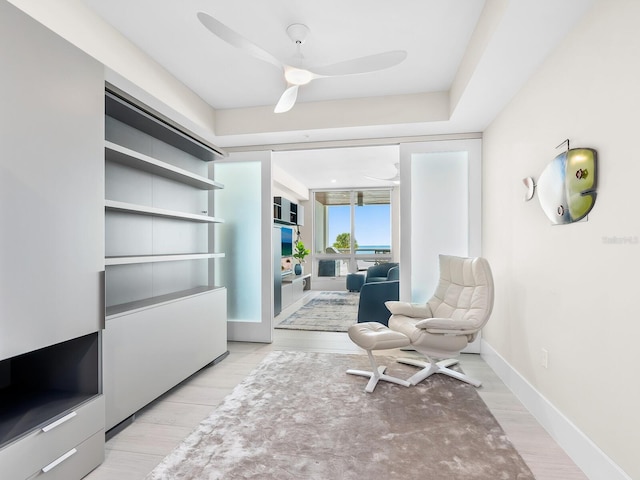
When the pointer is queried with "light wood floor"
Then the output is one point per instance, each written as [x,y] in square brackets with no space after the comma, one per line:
[135,451]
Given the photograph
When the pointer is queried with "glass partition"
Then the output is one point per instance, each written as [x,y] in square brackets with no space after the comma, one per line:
[240,238]
[440,187]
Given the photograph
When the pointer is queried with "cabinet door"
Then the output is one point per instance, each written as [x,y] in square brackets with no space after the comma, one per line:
[51,187]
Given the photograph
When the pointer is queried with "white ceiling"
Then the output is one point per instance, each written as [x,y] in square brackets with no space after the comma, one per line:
[340,30]
[466,59]
[341,167]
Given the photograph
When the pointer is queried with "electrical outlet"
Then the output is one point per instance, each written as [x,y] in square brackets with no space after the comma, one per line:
[544,358]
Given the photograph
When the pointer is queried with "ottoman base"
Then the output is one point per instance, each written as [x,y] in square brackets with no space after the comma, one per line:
[375,336]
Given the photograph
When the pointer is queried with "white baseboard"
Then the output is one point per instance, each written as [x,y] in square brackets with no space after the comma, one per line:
[587,456]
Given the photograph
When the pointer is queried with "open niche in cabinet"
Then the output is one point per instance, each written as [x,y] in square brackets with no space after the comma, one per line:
[165,315]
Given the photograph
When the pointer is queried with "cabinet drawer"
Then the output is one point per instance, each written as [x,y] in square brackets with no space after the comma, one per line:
[76,462]
[41,447]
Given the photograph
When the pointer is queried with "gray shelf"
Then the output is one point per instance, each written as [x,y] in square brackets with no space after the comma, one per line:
[158,212]
[32,409]
[115,311]
[125,156]
[145,121]
[131,259]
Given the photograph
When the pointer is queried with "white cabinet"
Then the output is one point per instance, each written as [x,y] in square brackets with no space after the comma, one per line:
[287,294]
[150,350]
[293,287]
[51,187]
[165,314]
[61,446]
[51,253]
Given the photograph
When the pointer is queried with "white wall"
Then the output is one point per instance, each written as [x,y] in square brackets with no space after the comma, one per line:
[571,289]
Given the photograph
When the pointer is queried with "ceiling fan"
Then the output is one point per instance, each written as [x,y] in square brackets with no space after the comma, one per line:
[395,179]
[297,76]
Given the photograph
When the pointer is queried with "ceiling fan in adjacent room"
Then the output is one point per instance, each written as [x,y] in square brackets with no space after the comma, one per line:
[395,179]
[297,76]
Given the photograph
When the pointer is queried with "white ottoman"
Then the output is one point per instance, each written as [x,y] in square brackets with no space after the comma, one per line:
[375,336]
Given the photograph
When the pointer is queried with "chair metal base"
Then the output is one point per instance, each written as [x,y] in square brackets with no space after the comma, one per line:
[376,375]
[431,367]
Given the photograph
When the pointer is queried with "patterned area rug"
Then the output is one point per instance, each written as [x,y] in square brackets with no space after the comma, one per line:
[300,416]
[327,312]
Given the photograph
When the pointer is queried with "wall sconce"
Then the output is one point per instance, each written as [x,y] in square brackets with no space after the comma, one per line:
[531,188]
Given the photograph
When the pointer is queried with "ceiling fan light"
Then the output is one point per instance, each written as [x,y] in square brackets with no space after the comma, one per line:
[298,76]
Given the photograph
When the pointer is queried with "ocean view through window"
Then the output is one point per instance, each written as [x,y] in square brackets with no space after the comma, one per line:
[354,224]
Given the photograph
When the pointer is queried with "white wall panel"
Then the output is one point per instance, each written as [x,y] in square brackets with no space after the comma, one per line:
[51,184]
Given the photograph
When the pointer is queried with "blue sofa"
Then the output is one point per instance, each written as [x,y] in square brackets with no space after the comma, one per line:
[377,290]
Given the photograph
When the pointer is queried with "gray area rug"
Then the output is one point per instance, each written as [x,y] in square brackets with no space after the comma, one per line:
[327,312]
[300,416]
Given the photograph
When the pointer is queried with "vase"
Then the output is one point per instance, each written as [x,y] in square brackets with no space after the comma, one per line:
[297,269]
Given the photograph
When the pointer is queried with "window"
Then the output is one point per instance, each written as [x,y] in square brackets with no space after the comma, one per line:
[355,224]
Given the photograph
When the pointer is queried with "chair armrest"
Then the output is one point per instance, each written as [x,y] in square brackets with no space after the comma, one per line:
[412,310]
[447,326]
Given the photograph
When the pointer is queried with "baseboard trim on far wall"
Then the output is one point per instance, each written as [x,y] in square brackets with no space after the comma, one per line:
[586,454]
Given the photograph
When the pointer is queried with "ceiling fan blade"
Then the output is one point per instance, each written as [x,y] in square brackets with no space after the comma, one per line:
[395,179]
[384,179]
[371,63]
[235,39]
[287,100]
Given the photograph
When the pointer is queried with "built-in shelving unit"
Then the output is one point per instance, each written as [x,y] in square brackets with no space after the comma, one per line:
[161,297]
[277,208]
[136,179]
[287,212]
[158,212]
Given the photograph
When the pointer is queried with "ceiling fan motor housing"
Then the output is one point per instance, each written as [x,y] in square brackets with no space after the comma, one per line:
[298,33]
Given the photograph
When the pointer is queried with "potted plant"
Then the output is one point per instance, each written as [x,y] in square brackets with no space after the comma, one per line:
[299,255]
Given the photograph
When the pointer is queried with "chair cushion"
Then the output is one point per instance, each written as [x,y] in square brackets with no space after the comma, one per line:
[436,344]
[465,290]
[415,310]
[445,325]
[375,336]
[376,279]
